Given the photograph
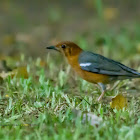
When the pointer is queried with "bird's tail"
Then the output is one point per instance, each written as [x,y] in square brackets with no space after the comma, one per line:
[135,74]
[131,72]
[128,77]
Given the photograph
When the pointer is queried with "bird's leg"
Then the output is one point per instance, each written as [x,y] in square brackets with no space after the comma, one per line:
[103,89]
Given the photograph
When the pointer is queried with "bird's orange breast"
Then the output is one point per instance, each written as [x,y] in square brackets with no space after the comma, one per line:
[88,76]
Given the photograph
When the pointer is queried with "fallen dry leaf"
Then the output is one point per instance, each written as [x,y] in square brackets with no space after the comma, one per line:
[4,75]
[87,117]
[119,102]
[43,63]
[110,13]
[9,39]
[19,72]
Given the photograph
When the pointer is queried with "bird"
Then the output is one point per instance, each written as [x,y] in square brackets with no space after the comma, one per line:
[93,67]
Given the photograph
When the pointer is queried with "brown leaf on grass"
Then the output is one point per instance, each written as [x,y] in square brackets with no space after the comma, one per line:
[110,13]
[119,102]
[19,72]
[9,39]
[4,75]
[43,63]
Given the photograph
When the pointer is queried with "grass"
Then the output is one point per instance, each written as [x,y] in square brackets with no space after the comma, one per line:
[42,107]
[52,102]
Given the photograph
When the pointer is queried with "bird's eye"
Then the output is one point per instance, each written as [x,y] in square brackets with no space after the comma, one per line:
[63,46]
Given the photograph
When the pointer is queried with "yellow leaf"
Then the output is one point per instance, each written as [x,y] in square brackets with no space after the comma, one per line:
[20,72]
[119,102]
[25,124]
[110,13]
[43,63]
[9,39]
[7,96]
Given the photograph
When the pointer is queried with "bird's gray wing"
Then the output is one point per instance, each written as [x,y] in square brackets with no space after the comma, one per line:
[96,63]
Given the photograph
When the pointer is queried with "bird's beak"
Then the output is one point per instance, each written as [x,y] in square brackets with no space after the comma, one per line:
[53,48]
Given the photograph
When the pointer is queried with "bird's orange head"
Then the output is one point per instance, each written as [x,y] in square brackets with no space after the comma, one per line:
[67,48]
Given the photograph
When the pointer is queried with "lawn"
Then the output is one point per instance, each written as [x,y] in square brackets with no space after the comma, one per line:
[41,97]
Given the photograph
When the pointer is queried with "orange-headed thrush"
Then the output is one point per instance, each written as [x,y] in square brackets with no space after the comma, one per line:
[92,67]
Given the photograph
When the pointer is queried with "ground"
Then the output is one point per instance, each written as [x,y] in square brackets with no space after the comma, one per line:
[40,95]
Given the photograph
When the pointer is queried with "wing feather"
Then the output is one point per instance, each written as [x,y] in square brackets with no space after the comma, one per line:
[99,64]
